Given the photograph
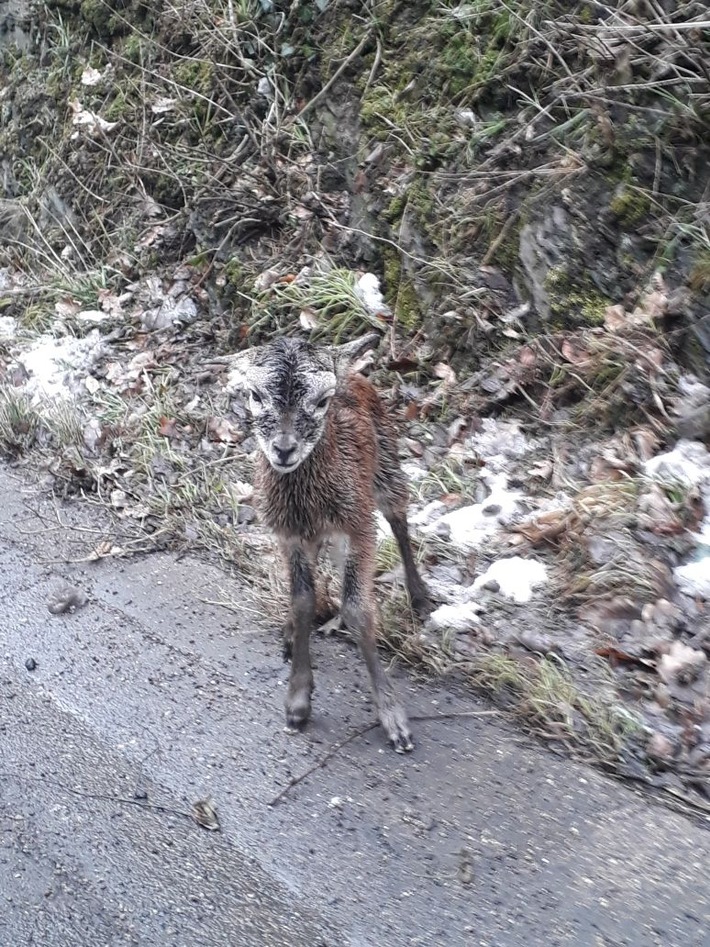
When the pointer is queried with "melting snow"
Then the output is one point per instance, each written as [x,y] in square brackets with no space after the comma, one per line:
[460,617]
[687,464]
[469,526]
[368,289]
[58,368]
[516,577]
[694,578]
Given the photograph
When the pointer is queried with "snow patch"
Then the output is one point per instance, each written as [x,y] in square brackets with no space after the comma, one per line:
[516,577]
[8,327]
[694,578]
[499,442]
[383,527]
[469,526]
[460,617]
[687,464]
[368,289]
[58,368]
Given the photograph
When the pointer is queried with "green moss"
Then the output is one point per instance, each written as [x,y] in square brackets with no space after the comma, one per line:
[233,273]
[133,48]
[196,74]
[97,13]
[629,204]
[574,302]
[400,292]
[120,107]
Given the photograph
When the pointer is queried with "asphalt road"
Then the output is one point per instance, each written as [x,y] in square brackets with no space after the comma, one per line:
[148,699]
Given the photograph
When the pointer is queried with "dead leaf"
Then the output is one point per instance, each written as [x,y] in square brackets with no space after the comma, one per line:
[543,469]
[527,356]
[617,655]
[308,319]
[546,527]
[205,814]
[66,306]
[574,352]
[167,427]
[411,412]
[615,318]
[162,105]
[657,514]
[455,430]
[659,747]
[446,373]
[90,76]
[89,120]
[104,549]
[118,498]
[221,429]
[110,302]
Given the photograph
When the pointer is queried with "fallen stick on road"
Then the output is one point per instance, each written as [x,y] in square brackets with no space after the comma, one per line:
[359,733]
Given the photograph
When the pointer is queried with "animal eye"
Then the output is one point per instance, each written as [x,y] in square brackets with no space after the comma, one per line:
[323,402]
[256,397]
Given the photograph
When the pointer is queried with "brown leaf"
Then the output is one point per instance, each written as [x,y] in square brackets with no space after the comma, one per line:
[221,429]
[615,318]
[167,427]
[403,364]
[545,528]
[360,182]
[575,352]
[617,656]
[411,412]
[527,356]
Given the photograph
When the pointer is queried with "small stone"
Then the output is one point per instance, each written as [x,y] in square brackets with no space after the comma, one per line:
[660,748]
[30,664]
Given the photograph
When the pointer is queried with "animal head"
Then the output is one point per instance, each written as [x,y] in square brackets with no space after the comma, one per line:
[290,384]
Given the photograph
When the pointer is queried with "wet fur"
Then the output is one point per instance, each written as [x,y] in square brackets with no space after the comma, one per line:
[351,469]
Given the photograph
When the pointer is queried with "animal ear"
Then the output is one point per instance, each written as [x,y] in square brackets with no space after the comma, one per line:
[239,365]
[346,357]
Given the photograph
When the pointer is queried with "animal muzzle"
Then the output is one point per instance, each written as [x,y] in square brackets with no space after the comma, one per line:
[284,454]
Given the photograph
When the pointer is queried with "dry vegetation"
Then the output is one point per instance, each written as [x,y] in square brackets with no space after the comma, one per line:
[201,175]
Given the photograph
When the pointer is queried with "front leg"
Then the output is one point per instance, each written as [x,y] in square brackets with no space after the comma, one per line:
[300,623]
[358,611]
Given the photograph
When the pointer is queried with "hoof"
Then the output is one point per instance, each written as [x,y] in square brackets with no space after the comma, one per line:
[298,707]
[394,723]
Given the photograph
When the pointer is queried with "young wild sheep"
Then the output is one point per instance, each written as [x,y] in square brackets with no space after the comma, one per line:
[328,457]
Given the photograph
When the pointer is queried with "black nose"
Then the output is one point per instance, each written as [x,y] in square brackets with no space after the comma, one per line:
[285,455]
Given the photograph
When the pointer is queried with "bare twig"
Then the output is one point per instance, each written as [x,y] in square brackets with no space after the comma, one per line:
[319,764]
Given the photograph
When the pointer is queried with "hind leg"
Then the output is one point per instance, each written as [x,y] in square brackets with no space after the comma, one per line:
[326,611]
[392,501]
[359,616]
[418,592]
[392,497]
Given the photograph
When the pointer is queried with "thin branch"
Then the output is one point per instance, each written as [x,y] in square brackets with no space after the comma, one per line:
[320,763]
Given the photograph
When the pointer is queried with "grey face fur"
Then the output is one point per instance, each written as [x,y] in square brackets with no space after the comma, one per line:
[290,384]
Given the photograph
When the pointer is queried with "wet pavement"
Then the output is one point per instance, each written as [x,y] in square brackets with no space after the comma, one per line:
[150,698]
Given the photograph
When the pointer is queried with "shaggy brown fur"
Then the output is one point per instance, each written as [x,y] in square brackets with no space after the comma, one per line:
[349,470]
